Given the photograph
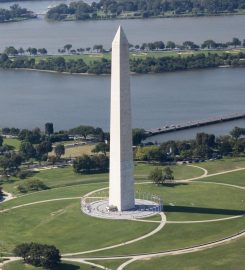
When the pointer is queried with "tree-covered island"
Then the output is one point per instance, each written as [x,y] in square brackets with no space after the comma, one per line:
[119,9]
[15,13]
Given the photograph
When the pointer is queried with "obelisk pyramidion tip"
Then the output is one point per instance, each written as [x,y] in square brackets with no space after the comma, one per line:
[120,37]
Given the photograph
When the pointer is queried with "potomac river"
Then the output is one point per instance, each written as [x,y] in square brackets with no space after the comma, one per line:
[31,98]
[54,35]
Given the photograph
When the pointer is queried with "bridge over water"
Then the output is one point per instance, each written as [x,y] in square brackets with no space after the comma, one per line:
[193,124]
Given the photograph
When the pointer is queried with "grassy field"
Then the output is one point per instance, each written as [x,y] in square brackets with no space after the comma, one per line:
[88,58]
[76,151]
[65,176]
[234,178]
[68,229]
[57,178]
[12,142]
[111,264]
[225,164]
[72,231]
[179,171]
[63,266]
[175,236]
[227,257]
[198,201]
[63,192]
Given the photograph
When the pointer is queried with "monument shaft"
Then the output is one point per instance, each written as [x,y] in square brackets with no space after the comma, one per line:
[121,193]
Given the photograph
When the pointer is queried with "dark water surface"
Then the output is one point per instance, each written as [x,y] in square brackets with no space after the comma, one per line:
[54,35]
[29,99]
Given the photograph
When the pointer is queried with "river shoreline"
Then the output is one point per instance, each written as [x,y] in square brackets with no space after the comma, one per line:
[104,74]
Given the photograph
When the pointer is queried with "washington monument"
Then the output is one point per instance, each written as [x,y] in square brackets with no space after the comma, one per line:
[121,193]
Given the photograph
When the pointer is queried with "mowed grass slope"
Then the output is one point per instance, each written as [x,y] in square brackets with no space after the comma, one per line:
[226,257]
[198,201]
[61,223]
[174,236]
[12,142]
[223,165]
[66,176]
[233,178]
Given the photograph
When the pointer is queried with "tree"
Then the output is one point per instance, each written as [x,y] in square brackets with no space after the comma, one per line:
[27,150]
[156,176]
[82,130]
[42,51]
[59,150]
[49,128]
[138,136]
[168,174]
[67,47]
[236,42]
[101,147]
[10,164]
[1,140]
[21,51]
[170,45]
[210,44]
[11,51]
[237,132]
[83,164]
[38,255]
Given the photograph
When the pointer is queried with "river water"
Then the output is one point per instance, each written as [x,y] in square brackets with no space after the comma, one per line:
[54,35]
[31,98]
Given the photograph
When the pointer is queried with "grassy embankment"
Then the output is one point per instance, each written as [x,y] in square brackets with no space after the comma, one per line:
[66,177]
[228,257]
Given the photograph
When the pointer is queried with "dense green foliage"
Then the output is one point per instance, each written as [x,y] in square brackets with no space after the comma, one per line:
[145,65]
[91,164]
[14,13]
[159,176]
[107,9]
[205,146]
[31,185]
[38,255]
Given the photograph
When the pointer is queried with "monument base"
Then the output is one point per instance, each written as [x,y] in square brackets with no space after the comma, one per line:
[143,209]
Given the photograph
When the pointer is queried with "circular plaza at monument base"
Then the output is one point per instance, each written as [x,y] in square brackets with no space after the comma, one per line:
[146,205]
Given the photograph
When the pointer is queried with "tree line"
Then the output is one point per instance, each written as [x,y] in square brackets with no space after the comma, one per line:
[205,146]
[36,145]
[14,13]
[109,9]
[145,46]
[137,65]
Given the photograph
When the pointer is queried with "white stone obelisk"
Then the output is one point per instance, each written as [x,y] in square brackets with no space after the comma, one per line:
[121,190]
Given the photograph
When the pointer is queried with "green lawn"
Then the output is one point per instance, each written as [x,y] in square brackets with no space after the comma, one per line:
[111,264]
[12,142]
[63,266]
[63,192]
[226,257]
[56,178]
[179,171]
[234,178]
[175,236]
[61,223]
[223,165]
[66,177]
[198,201]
